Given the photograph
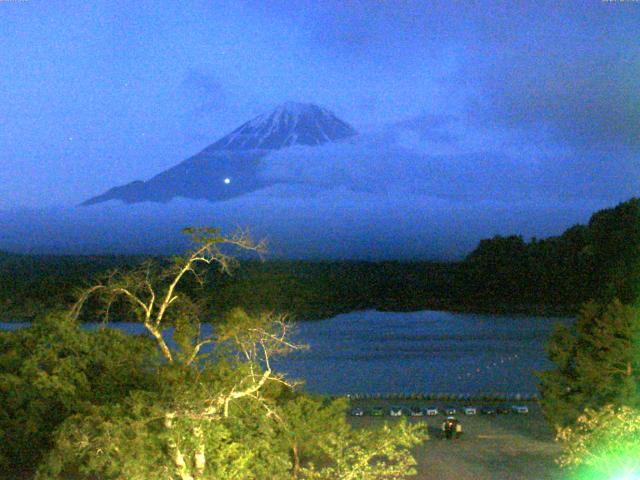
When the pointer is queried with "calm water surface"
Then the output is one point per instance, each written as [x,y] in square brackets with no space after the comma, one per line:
[417,352]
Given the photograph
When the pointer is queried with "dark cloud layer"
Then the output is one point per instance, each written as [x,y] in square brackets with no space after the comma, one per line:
[591,103]
[324,223]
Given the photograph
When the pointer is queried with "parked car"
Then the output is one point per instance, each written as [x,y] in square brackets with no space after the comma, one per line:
[449,410]
[357,412]
[488,411]
[502,410]
[431,411]
[521,409]
[377,412]
[396,411]
[416,411]
[469,410]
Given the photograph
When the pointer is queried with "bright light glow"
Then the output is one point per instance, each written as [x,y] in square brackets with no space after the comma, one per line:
[628,476]
[227,181]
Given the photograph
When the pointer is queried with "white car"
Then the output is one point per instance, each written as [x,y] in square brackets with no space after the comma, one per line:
[431,411]
[470,410]
[396,411]
[519,409]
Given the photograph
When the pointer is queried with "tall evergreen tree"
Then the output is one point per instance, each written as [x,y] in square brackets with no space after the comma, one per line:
[597,362]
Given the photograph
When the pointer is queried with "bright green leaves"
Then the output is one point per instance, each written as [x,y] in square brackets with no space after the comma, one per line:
[369,454]
[603,444]
[55,369]
[108,442]
[86,405]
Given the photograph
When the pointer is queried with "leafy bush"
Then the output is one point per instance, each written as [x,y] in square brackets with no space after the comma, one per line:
[603,443]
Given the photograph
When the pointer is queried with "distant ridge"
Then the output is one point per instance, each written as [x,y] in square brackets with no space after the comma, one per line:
[228,167]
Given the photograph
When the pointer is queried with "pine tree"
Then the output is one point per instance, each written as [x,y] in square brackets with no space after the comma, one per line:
[597,362]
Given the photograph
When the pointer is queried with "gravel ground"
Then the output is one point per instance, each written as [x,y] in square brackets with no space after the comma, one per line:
[496,447]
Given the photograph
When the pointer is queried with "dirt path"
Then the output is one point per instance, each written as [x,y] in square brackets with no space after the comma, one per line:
[504,447]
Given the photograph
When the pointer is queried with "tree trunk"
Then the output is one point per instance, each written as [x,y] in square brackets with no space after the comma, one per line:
[161,343]
[181,465]
[176,455]
[296,460]
[200,458]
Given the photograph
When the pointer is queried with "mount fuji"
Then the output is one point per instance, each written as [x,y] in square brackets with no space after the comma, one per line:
[229,167]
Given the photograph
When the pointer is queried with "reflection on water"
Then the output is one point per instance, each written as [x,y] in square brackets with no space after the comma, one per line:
[418,352]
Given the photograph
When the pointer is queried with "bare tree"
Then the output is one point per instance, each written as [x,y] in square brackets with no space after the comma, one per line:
[154,295]
[151,294]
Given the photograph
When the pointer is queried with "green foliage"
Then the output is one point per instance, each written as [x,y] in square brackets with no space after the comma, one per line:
[311,290]
[53,370]
[132,442]
[31,284]
[596,363]
[615,246]
[604,443]
[106,442]
[554,271]
[289,435]
[373,454]
[101,405]
[307,423]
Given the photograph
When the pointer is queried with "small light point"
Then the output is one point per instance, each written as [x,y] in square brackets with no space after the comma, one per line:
[227,181]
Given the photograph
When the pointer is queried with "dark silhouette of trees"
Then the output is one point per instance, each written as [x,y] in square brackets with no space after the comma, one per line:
[599,261]
[503,274]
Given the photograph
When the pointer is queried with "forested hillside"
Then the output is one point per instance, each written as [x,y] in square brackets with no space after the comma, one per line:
[600,260]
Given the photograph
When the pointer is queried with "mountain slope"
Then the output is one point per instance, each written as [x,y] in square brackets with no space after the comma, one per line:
[289,124]
[228,168]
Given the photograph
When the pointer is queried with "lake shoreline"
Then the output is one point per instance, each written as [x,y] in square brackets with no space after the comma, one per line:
[410,353]
[538,310]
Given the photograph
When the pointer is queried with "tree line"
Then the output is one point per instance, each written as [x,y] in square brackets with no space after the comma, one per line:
[504,274]
[599,261]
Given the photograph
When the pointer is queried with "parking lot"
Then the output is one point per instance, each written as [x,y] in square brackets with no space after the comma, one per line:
[492,447]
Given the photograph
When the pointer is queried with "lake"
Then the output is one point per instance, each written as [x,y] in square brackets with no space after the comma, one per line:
[416,352]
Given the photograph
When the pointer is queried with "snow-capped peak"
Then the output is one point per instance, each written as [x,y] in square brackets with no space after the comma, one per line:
[297,109]
[291,123]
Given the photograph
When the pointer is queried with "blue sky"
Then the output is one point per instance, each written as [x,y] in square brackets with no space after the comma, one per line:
[100,93]
[103,92]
